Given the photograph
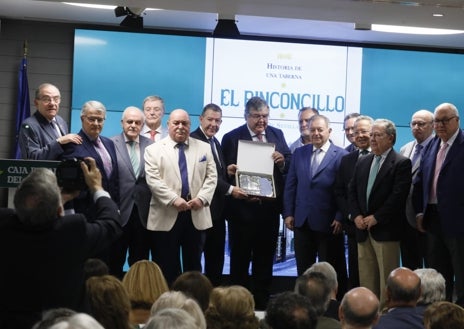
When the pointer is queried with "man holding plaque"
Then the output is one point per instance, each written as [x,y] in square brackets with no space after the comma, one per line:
[254,222]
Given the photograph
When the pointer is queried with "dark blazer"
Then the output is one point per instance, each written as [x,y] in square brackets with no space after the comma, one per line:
[217,204]
[350,148]
[43,267]
[312,199]
[240,208]
[84,203]
[132,189]
[449,184]
[387,200]
[37,138]
[344,174]
[400,317]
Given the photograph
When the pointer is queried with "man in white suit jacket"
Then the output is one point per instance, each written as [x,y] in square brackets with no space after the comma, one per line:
[179,221]
[412,241]
[134,193]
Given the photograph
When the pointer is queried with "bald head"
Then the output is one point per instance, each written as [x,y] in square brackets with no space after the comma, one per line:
[359,308]
[403,288]
[179,125]
[422,125]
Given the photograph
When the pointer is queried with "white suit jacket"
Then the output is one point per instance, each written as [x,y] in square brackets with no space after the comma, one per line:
[163,178]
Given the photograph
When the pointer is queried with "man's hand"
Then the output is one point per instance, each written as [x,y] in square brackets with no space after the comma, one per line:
[68,195]
[337,227]
[370,221]
[278,158]
[195,204]
[420,223]
[238,193]
[181,205]
[359,222]
[92,174]
[290,222]
[70,138]
[232,169]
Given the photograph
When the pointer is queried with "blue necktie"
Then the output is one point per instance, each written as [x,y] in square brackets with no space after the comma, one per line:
[416,155]
[372,175]
[183,171]
[315,161]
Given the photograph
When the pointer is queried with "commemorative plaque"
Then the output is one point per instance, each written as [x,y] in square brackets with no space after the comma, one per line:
[255,168]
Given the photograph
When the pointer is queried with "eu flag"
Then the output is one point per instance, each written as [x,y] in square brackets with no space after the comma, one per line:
[23,107]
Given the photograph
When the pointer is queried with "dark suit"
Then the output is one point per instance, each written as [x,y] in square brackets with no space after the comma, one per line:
[387,202]
[443,221]
[215,236]
[400,317]
[310,199]
[344,176]
[37,138]
[43,267]
[254,226]
[135,198]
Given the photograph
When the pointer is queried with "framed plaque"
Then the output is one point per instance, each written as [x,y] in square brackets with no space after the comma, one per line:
[255,168]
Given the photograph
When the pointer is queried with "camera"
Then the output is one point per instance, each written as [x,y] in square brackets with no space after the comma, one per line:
[70,176]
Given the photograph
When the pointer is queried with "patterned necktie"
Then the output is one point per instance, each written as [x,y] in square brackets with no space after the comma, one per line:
[260,137]
[438,164]
[417,154]
[134,159]
[214,150]
[152,134]
[315,161]
[372,175]
[183,171]
[104,155]
[56,129]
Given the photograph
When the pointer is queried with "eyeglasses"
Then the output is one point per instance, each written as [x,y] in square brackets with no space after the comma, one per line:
[420,124]
[47,99]
[259,116]
[444,122]
[93,119]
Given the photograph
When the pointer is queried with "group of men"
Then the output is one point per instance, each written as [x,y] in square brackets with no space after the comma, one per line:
[176,188]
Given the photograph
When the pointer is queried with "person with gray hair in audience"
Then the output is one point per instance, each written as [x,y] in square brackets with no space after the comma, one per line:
[328,270]
[172,318]
[359,309]
[315,286]
[78,321]
[433,288]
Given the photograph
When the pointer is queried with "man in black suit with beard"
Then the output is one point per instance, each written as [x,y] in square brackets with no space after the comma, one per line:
[210,122]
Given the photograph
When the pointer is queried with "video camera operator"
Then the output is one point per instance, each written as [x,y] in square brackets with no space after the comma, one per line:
[43,251]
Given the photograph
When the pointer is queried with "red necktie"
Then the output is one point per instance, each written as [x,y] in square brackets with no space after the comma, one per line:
[152,134]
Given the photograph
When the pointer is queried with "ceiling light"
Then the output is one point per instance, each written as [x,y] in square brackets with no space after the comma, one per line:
[412,30]
[89,5]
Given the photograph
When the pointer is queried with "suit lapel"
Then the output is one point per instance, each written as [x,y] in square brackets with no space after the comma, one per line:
[326,160]
[453,150]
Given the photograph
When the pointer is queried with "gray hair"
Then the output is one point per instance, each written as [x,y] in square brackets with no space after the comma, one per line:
[390,128]
[364,117]
[78,321]
[171,318]
[328,270]
[93,105]
[133,108]
[433,286]
[255,103]
[314,285]
[38,198]
[153,98]
[38,91]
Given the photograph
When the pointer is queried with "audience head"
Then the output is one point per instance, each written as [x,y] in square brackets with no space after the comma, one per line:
[348,126]
[319,129]
[132,122]
[195,285]
[231,307]
[331,275]
[433,286]
[179,125]
[362,131]
[289,310]
[383,136]
[359,309]
[95,267]
[177,299]
[47,100]
[445,121]
[78,321]
[171,318]
[257,115]
[93,115]
[304,116]
[422,125]
[53,316]
[211,119]
[38,198]
[108,301]
[153,108]
[316,287]
[403,288]
[444,315]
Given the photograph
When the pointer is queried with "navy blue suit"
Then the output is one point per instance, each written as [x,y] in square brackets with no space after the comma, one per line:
[444,221]
[310,199]
[254,226]
[37,138]
[215,236]
[400,318]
